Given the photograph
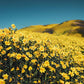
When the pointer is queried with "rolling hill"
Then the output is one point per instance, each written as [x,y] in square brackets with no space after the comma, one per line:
[71,27]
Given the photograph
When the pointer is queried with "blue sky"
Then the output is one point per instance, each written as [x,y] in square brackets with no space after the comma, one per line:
[24,13]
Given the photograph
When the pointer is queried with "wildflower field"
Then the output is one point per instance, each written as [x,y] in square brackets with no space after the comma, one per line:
[40,58]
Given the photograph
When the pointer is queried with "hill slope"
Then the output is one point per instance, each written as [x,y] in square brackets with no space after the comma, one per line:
[72,27]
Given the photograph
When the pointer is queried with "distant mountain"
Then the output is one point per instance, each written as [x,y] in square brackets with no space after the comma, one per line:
[71,27]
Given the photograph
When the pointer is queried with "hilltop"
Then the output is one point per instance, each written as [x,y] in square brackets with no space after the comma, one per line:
[71,27]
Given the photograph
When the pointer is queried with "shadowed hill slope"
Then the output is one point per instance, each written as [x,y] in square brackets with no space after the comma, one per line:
[71,27]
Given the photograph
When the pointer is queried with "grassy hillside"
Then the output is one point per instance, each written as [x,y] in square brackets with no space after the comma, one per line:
[72,27]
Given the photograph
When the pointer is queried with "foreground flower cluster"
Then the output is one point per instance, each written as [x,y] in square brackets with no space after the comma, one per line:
[33,61]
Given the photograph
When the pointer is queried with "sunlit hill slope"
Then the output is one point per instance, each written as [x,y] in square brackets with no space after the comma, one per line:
[71,27]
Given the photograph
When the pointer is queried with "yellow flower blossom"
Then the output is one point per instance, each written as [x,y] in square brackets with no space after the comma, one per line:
[39,81]
[7,43]
[8,48]
[12,54]
[46,63]
[18,75]
[52,69]
[21,78]
[82,76]
[3,52]
[64,66]
[71,73]
[62,63]
[42,70]
[23,55]
[13,26]
[25,66]
[26,58]
[10,79]
[1,48]
[65,75]
[12,69]
[18,83]
[23,70]
[61,81]
[34,82]
[30,68]
[57,65]
[5,76]
[29,55]
[33,60]
[41,48]
[67,82]
[1,70]
[18,56]
[24,41]
[17,68]
[2,81]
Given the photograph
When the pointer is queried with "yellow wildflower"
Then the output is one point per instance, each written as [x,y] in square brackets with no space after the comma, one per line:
[17,68]
[25,49]
[24,41]
[27,76]
[26,58]
[76,72]
[45,55]
[46,63]
[57,65]
[41,48]
[21,78]
[18,75]
[3,52]
[8,48]
[52,69]
[24,55]
[64,66]
[12,54]
[13,26]
[65,75]
[18,56]
[61,81]
[39,81]
[2,81]
[76,80]
[30,55]
[5,76]
[54,76]
[42,70]
[38,40]
[35,82]
[1,48]
[7,43]
[30,68]
[1,70]
[10,79]
[71,73]
[61,62]
[25,66]
[27,53]
[67,82]
[82,76]
[23,70]
[33,60]
[12,69]
[32,47]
